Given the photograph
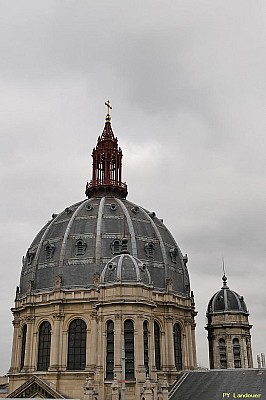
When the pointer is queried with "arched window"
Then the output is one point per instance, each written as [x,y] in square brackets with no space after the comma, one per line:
[157,347]
[44,346]
[177,347]
[149,249]
[236,351]
[76,357]
[81,247]
[116,246]
[109,350]
[129,348]
[23,345]
[222,351]
[146,346]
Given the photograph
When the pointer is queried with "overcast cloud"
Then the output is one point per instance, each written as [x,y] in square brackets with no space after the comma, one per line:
[187,81]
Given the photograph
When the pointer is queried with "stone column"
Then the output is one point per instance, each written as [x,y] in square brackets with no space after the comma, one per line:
[152,349]
[118,339]
[29,344]
[56,342]
[16,347]
[193,326]
[169,340]
[229,351]
[163,348]
[63,358]
[243,352]
[139,349]
[249,352]
[91,357]
[101,336]
[189,344]
[184,350]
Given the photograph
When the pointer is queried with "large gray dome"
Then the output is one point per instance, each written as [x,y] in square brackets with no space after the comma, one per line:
[72,249]
[76,244]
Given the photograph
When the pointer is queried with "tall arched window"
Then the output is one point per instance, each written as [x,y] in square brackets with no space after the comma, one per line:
[44,346]
[109,350]
[76,356]
[177,347]
[222,351]
[146,346]
[236,351]
[129,348]
[23,345]
[157,347]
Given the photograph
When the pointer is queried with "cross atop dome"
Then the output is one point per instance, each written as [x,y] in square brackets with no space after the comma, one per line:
[109,107]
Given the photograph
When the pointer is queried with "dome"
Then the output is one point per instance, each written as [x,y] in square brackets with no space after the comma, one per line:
[226,300]
[125,268]
[73,248]
[76,244]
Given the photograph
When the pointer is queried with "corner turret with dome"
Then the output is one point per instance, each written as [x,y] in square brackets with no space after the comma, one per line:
[228,330]
[102,277]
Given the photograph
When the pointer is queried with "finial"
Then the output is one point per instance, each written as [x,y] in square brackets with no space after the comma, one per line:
[109,107]
[124,249]
[224,278]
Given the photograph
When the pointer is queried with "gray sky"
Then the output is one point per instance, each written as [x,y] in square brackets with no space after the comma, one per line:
[186,79]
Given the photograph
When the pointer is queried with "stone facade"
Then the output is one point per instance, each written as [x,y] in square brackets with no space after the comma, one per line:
[117,302]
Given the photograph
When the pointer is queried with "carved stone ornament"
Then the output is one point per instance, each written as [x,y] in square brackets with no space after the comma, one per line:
[29,319]
[58,282]
[96,279]
[16,323]
[168,318]
[58,316]
[30,286]
[169,284]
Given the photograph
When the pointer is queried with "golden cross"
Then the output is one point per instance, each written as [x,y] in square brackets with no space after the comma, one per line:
[108,106]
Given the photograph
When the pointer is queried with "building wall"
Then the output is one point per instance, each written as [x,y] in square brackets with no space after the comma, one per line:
[117,302]
[229,327]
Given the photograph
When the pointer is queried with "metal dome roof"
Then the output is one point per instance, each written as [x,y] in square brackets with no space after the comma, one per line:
[125,268]
[226,300]
[77,243]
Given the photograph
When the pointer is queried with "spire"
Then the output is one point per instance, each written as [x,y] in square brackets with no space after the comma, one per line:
[224,278]
[107,165]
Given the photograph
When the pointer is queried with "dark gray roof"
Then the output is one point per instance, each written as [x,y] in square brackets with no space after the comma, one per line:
[226,300]
[211,385]
[77,243]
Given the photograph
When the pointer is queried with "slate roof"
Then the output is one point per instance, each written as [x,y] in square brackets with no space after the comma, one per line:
[125,268]
[226,300]
[213,384]
[77,243]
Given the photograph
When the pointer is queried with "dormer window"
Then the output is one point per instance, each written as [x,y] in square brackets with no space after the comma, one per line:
[49,250]
[81,247]
[116,246]
[150,249]
[29,257]
[173,254]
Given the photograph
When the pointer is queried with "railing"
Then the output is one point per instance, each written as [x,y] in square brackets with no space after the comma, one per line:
[111,182]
